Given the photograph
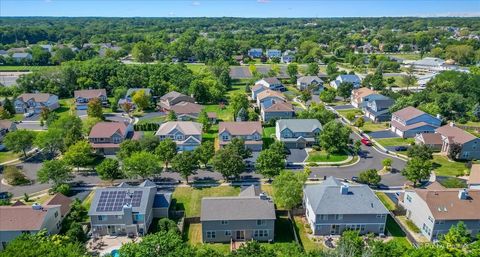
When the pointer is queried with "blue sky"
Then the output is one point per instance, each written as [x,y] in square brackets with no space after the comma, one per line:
[239,8]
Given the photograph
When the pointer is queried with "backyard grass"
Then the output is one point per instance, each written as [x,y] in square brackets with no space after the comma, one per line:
[411,226]
[396,232]
[308,244]
[64,107]
[156,119]
[453,183]
[371,127]
[211,134]
[17,117]
[397,141]
[196,67]
[444,167]
[223,114]
[389,204]
[268,136]
[189,198]
[194,236]
[8,156]
[27,68]
[322,156]
[283,233]
[346,113]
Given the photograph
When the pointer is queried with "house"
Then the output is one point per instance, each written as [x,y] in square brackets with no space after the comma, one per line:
[310,82]
[186,110]
[130,92]
[432,64]
[126,209]
[186,134]
[5,127]
[172,98]
[298,133]
[271,83]
[34,102]
[474,178]
[268,97]
[378,110]
[257,89]
[64,202]
[274,53]
[348,78]
[47,48]
[435,211]
[20,57]
[248,216]
[333,207]
[288,56]
[255,52]
[361,96]
[82,97]
[470,144]
[278,110]
[432,140]
[409,121]
[106,137]
[249,131]
[19,219]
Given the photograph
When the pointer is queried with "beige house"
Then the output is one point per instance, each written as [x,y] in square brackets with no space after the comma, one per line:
[249,131]
[474,178]
[186,134]
[470,144]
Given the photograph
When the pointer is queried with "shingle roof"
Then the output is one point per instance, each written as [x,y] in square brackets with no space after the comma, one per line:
[408,113]
[446,204]
[458,135]
[299,125]
[37,97]
[349,78]
[270,93]
[23,217]
[326,198]
[279,107]
[90,93]
[429,61]
[399,126]
[357,94]
[240,128]
[431,138]
[171,95]
[63,201]
[186,127]
[5,124]
[383,103]
[474,175]
[107,129]
[186,107]
[272,80]
[309,79]
[251,190]
[162,200]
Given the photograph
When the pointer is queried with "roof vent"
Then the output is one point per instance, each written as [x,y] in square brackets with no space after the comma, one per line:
[37,207]
[344,189]
[463,194]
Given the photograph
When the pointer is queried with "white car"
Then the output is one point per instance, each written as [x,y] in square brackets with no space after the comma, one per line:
[28,114]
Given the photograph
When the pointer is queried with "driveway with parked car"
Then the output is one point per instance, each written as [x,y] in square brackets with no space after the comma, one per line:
[297,155]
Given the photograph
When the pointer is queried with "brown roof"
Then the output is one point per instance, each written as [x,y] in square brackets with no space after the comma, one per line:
[435,186]
[240,128]
[474,175]
[37,97]
[357,94]
[63,201]
[257,86]
[18,203]
[457,134]
[268,93]
[186,107]
[408,113]
[280,107]
[107,129]
[446,205]
[272,80]
[6,124]
[186,127]
[212,114]
[431,138]
[22,217]
[400,126]
[90,93]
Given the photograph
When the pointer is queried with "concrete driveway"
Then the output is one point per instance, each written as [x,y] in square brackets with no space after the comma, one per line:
[383,134]
[343,107]
[30,125]
[34,117]
[297,155]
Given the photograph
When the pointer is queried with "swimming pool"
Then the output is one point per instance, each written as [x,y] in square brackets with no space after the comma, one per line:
[115,253]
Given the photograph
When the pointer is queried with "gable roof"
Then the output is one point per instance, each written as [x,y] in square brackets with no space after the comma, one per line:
[445,204]
[299,125]
[326,198]
[474,175]
[349,78]
[457,134]
[186,127]
[172,95]
[272,80]
[357,94]
[186,107]
[383,103]
[251,190]
[429,61]
[240,128]
[90,93]
[162,200]
[23,217]
[408,113]
[63,201]
[37,97]
[6,124]
[258,87]
[107,129]
[309,79]
[270,93]
[431,138]
[279,107]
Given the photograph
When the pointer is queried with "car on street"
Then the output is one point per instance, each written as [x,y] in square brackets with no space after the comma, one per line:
[28,114]
[366,142]
[401,148]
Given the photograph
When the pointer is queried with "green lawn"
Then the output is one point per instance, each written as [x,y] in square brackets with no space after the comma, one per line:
[189,198]
[8,156]
[397,141]
[268,136]
[453,183]
[193,233]
[308,244]
[389,204]
[223,114]
[371,127]
[322,156]
[27,68]
[17,117]
[398,235]
[156,119]
[211,134]
[196,67]
[346,113]
[64,108]
[444,167]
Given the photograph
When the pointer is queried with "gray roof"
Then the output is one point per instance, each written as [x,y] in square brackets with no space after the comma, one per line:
[299,125]
[349,78]
[383,103]
[272,80]
[429,61]
[309,79]
[21,55]
[162,200]
[251,190]
[326,198]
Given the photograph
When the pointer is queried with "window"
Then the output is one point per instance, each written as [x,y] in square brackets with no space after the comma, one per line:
[210,234]
[260,222]
[119,217]
[430,218]
[339,216]
[102,217]
[56,214]
[228,232]
[224,222]
[440,222]
[138,217]
[225,137]
[260,233]
[324,217]
[409,198]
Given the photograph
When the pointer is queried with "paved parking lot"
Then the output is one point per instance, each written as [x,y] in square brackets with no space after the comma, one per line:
[383,134]
[297,155]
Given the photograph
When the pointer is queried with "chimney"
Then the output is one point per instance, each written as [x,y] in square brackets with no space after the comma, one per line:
[463,194]
[452,124]
[127,214]
[344,189]
[37,207]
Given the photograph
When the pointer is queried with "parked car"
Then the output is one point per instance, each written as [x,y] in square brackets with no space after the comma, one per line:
[28,114]
[355,179]
[366,142]
[401,148]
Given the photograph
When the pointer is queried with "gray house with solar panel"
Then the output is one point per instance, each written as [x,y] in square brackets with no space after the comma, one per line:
[127,209]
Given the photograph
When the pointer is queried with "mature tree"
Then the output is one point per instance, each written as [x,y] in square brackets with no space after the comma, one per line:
[357,146]
[454,149]
[457,237]
[312,69]
[19,141]
[387,163]
[166,225]
[40,56]
[350,244]
[423,152]
[141,164]
[292,71]
[79,155]
[51,141]
[334,137]
[359,122]
[109,169]
[185,163]
[369,177]
[127,148]
[163,243]
[319,112]
[205,152]
[141,99]
[238,145]
[142,52]
[95,109]
[4,114]
[305,96]
[279,148]
[269,163]
[76,233]
[417,169]
[71,127]
[345,90]
[288,189]
[63,55]
[203,119]
[8,106]
[149,143]
[166,150]
[172,116]
[238,101]
[228,162]
[55,171]
[242,115]
[328,95]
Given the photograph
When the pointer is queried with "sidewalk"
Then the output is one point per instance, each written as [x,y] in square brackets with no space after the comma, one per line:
[34,150]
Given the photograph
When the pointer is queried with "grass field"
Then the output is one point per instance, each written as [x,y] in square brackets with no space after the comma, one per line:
[308,244]
[394,230]
[193,233]
[268,134]
[156,119]
[371,127]
[27,68]
[211,134]
[8,156]
[189,199]
[397,141]
[444,167]
[322,156]
[389,204]
[453,183]
[223,114]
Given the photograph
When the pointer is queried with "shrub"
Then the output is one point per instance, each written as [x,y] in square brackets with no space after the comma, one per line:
[63,189]
[317,148]
[350,116]
[412,226]
[15,177]
[166,224]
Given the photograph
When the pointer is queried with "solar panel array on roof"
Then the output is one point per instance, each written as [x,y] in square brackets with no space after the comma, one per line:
[115,200]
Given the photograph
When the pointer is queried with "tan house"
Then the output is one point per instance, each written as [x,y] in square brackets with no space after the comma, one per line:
[33,103]
[172,98]
[82,97]
[278,110]
[106,137]
[186,110]
[470,144]
[432,140]
[249,131]
[268,97]
[410,121]
[474,178]
[186,134]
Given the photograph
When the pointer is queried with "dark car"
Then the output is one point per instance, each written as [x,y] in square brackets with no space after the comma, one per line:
[354,178]
[401,148]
